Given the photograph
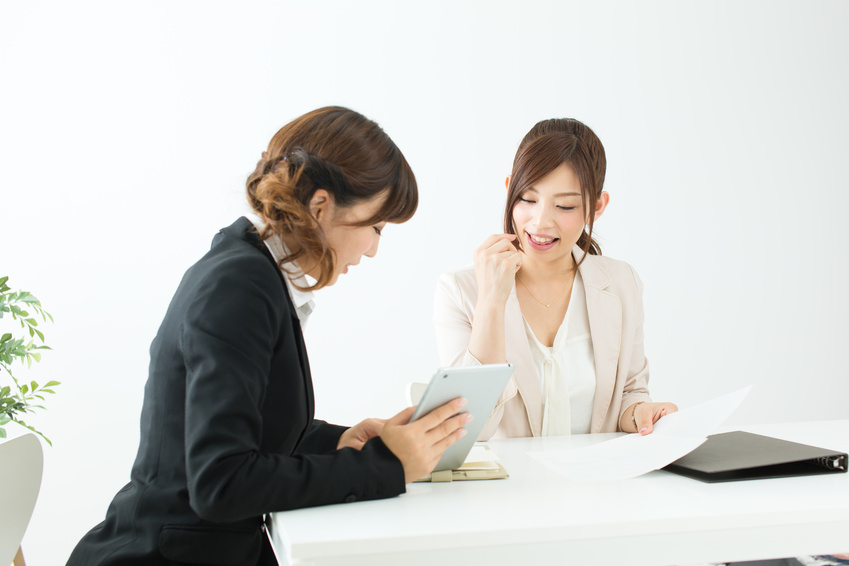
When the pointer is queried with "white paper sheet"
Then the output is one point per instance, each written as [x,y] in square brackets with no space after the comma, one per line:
[632,455]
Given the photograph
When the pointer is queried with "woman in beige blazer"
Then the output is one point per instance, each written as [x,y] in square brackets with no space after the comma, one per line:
[542,297]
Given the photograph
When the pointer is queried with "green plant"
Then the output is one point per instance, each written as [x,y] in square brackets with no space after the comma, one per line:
[17,399]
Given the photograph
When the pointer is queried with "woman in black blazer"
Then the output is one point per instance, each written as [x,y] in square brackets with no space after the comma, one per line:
[227,428]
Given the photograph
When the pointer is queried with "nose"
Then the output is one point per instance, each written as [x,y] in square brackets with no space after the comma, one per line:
[541,214]
[372,251]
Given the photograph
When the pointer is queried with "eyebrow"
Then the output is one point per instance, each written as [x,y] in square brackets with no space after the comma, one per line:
[572,194]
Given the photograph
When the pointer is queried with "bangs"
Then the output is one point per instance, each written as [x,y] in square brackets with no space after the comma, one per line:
[401,202]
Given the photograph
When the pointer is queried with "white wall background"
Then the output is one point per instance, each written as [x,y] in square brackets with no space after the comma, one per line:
[127,130]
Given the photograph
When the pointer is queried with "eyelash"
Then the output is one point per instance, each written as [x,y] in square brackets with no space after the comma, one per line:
[565,208]
[377,230]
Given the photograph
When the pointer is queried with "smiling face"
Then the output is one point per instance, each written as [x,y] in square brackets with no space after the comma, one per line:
[549,216]
[348,241]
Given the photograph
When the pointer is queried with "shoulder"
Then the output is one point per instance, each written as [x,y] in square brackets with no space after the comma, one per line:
[237,269]
[465,277]
[459,282]
[615,268]
[457,287]
[610,274]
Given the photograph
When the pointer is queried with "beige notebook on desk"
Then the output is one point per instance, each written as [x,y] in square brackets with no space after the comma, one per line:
[480,464]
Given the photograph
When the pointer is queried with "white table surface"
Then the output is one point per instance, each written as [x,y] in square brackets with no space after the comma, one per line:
[536,517]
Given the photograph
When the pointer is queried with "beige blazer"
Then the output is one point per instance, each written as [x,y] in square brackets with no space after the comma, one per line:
[615,308]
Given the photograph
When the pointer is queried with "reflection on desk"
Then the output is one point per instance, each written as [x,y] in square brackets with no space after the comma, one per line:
[535,516]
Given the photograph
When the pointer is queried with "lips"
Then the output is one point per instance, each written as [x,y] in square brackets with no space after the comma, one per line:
[541,242]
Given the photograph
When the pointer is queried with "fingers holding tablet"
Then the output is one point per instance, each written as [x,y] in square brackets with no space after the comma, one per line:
[419,444]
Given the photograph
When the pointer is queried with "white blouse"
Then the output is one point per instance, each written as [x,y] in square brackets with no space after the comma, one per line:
[567,369]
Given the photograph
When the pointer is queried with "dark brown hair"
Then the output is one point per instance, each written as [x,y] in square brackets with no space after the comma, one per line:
[335,149]
[544,148]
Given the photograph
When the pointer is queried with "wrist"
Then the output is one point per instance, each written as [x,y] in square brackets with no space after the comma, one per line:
[634,415]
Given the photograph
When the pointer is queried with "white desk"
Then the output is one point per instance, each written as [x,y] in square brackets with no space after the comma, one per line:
[535,517]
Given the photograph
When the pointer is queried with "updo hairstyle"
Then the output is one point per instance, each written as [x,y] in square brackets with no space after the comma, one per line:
[335,149]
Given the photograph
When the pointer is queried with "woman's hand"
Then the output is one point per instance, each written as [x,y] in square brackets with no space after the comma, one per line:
[496,262]
[420,444]
[646,414]
[356,436]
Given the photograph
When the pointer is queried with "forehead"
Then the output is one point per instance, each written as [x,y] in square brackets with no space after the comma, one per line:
[362,210]
[560,182]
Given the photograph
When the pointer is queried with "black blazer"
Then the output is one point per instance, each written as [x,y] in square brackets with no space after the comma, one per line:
[227,429]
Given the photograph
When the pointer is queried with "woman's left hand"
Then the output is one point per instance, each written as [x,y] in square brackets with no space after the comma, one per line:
[649,413]
[356,436]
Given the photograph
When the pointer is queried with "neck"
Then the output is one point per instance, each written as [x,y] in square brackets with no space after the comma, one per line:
[547,272]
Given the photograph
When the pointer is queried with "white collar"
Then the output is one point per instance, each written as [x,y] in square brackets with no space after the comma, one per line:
[303,300]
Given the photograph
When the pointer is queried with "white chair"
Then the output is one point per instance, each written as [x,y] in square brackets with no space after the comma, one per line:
[21,467]
[415,391]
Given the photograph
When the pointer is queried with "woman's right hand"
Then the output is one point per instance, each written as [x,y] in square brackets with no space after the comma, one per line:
[420,444]
[496,262]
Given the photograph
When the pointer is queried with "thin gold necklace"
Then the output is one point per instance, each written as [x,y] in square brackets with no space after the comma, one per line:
[543,303]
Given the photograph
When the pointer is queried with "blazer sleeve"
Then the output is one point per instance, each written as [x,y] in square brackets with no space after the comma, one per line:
[230,335]
[636,386]
[320,438]
[453,313]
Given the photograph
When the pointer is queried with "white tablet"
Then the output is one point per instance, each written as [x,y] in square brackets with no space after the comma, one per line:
[481,386]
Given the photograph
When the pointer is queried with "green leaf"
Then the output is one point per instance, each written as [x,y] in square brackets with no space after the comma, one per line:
[4,279]
[2,432]
[40,335]
[24,389]
[6,337]
[34,385]
[52,383]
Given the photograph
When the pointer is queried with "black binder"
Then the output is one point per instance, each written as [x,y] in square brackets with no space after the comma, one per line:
[733,456]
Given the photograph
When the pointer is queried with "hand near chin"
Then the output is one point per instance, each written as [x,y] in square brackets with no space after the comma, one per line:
[356,436]
[496,262]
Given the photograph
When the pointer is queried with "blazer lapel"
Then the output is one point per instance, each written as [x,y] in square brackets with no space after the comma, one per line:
[604,311]
[305,364]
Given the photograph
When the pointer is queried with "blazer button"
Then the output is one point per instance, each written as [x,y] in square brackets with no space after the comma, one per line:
[351,498]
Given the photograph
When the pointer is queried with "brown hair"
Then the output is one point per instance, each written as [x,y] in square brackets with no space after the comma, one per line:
[335,149]
[544,148]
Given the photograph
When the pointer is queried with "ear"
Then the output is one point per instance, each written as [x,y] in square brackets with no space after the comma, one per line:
[321,203]
[601,204]
[507,183]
